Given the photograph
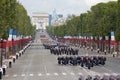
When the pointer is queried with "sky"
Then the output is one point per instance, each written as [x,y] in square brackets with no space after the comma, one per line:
[64,7]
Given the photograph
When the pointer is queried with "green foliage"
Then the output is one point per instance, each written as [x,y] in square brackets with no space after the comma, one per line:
[13,15]
[99,21]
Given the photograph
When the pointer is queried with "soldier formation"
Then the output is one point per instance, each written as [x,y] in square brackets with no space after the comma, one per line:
[69,56]
[83,61]
[64,50]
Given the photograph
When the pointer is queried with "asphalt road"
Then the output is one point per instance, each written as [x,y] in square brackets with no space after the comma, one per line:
[38,64]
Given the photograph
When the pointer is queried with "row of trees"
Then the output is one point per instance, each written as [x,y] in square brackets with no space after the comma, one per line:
[13,15]
[99,21]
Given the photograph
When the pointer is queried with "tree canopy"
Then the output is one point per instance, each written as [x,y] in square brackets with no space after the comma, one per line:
[99,21]
[14,15]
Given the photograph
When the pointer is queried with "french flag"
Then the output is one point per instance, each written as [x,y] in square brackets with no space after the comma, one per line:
[100,39]
[14,38]
[112,38]
[85,38]
[10,38]
[91,38]
[106,39]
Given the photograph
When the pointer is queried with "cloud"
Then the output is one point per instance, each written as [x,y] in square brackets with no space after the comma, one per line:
[61,6]
[94,2]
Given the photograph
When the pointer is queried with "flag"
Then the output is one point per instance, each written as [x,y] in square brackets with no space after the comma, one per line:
[112,38]
[84,39]
[100,39]
[91,38]
[106,39]
[10,38]
[14,38]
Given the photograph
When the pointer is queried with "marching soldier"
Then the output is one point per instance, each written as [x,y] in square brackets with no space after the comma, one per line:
[82,61]
[78,60]
[59,60]
[88,63]
[74,60]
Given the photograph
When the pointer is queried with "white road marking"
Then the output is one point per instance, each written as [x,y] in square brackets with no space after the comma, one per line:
[64,73]
[47,74]
[56,74]
[31,75]
[15,75]
[39,74]
[72,73]
[23,75]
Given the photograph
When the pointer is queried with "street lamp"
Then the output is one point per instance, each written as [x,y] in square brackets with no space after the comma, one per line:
[1,41]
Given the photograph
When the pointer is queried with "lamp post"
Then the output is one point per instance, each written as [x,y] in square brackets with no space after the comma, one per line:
[1,41]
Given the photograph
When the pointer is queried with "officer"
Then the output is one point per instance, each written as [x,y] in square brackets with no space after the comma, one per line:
[59,60]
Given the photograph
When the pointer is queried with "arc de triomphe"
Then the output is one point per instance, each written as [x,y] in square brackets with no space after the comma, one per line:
[41,20]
